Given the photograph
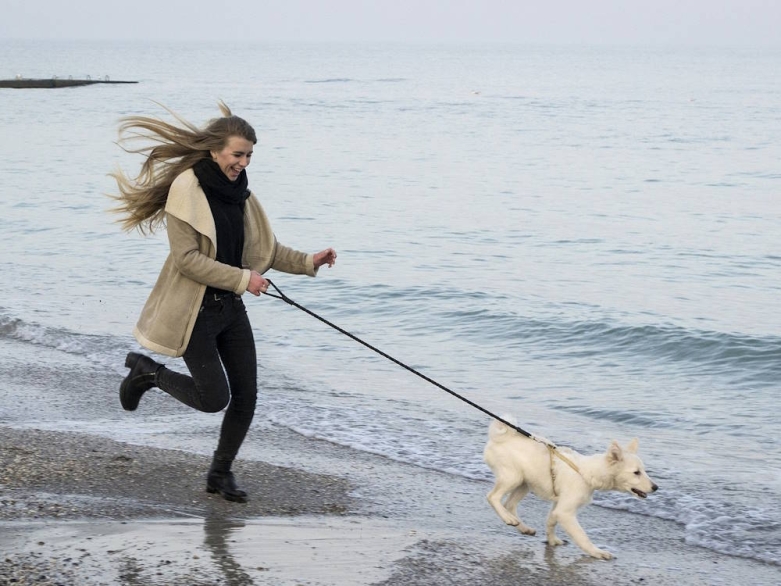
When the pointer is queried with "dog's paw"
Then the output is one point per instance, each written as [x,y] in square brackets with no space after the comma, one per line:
[601,554]
[526,530]
[556,541]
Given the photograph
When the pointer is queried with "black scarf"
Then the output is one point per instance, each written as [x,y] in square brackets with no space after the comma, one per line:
[216,184]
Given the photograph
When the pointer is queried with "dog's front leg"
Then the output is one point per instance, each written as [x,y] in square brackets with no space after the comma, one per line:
[566,516]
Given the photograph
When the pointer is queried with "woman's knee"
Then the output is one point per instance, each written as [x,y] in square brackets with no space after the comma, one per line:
[214,402]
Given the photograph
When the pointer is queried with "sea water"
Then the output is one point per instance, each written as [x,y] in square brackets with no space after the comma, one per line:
[586,238]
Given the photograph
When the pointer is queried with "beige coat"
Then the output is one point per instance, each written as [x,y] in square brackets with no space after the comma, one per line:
[169,314]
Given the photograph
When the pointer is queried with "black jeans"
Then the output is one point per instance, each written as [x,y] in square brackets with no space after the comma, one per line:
[221,344]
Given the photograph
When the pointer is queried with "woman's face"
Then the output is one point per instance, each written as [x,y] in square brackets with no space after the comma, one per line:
[234,157]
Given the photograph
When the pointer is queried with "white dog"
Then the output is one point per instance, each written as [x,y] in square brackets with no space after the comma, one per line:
[521,464]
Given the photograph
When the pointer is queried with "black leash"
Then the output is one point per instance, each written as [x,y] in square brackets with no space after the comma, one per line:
[289,301]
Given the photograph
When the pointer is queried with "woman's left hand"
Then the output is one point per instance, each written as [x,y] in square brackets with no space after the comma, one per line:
[325,257]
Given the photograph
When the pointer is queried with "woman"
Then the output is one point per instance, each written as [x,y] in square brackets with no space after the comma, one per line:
[195,182]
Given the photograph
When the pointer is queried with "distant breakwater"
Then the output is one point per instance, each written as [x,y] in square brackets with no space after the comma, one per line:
[54,82]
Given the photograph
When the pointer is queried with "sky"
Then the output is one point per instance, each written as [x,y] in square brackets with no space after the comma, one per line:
[655,22]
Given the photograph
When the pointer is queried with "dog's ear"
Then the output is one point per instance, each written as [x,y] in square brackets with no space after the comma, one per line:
[614,453]
[632,447]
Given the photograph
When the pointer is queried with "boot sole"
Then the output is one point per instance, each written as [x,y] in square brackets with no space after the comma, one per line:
[228,497]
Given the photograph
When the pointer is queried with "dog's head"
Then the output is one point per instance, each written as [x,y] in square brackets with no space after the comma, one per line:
[628,471]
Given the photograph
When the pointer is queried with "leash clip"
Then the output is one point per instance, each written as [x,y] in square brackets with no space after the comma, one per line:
[281,295]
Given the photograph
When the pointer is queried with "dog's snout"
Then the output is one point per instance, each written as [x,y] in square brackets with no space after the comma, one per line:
[654,487]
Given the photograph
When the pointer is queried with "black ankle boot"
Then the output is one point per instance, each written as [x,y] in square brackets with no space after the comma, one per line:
[143,372]
[223,483]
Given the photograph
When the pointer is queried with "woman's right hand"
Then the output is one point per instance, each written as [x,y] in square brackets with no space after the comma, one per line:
[257,284]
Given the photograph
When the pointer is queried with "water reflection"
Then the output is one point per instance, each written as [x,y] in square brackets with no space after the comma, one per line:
[217,533]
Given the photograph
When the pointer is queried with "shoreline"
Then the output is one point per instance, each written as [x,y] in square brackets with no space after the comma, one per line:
[80,509]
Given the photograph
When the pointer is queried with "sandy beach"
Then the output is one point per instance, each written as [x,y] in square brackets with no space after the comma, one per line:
[76,509]
[584,237]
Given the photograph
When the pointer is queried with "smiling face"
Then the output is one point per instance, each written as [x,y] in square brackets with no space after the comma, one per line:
[234,157]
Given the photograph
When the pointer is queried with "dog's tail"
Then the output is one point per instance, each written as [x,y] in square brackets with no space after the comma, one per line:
[498,429]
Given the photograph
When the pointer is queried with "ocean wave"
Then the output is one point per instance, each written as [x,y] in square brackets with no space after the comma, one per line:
[635,418]
[743,359]
[717,525]
[103,349]
[454,448]
[748,359]
[448,313]
[330,80]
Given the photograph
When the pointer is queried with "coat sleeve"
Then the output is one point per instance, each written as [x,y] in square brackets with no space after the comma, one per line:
[289,260]
[188,251]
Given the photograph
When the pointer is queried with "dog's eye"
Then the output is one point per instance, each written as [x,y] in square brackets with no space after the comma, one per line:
[637,473]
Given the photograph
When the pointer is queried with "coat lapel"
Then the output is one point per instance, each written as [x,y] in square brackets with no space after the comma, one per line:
[187,201]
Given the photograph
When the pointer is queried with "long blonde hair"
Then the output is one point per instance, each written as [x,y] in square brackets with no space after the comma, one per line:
[173,150]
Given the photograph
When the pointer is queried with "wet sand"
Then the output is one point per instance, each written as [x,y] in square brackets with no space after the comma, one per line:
[77,509]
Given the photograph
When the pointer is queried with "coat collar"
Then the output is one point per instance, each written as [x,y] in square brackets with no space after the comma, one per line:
[187,201]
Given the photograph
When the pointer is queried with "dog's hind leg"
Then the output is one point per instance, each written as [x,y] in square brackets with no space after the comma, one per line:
[569,522]
[501,488]
[511,504]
